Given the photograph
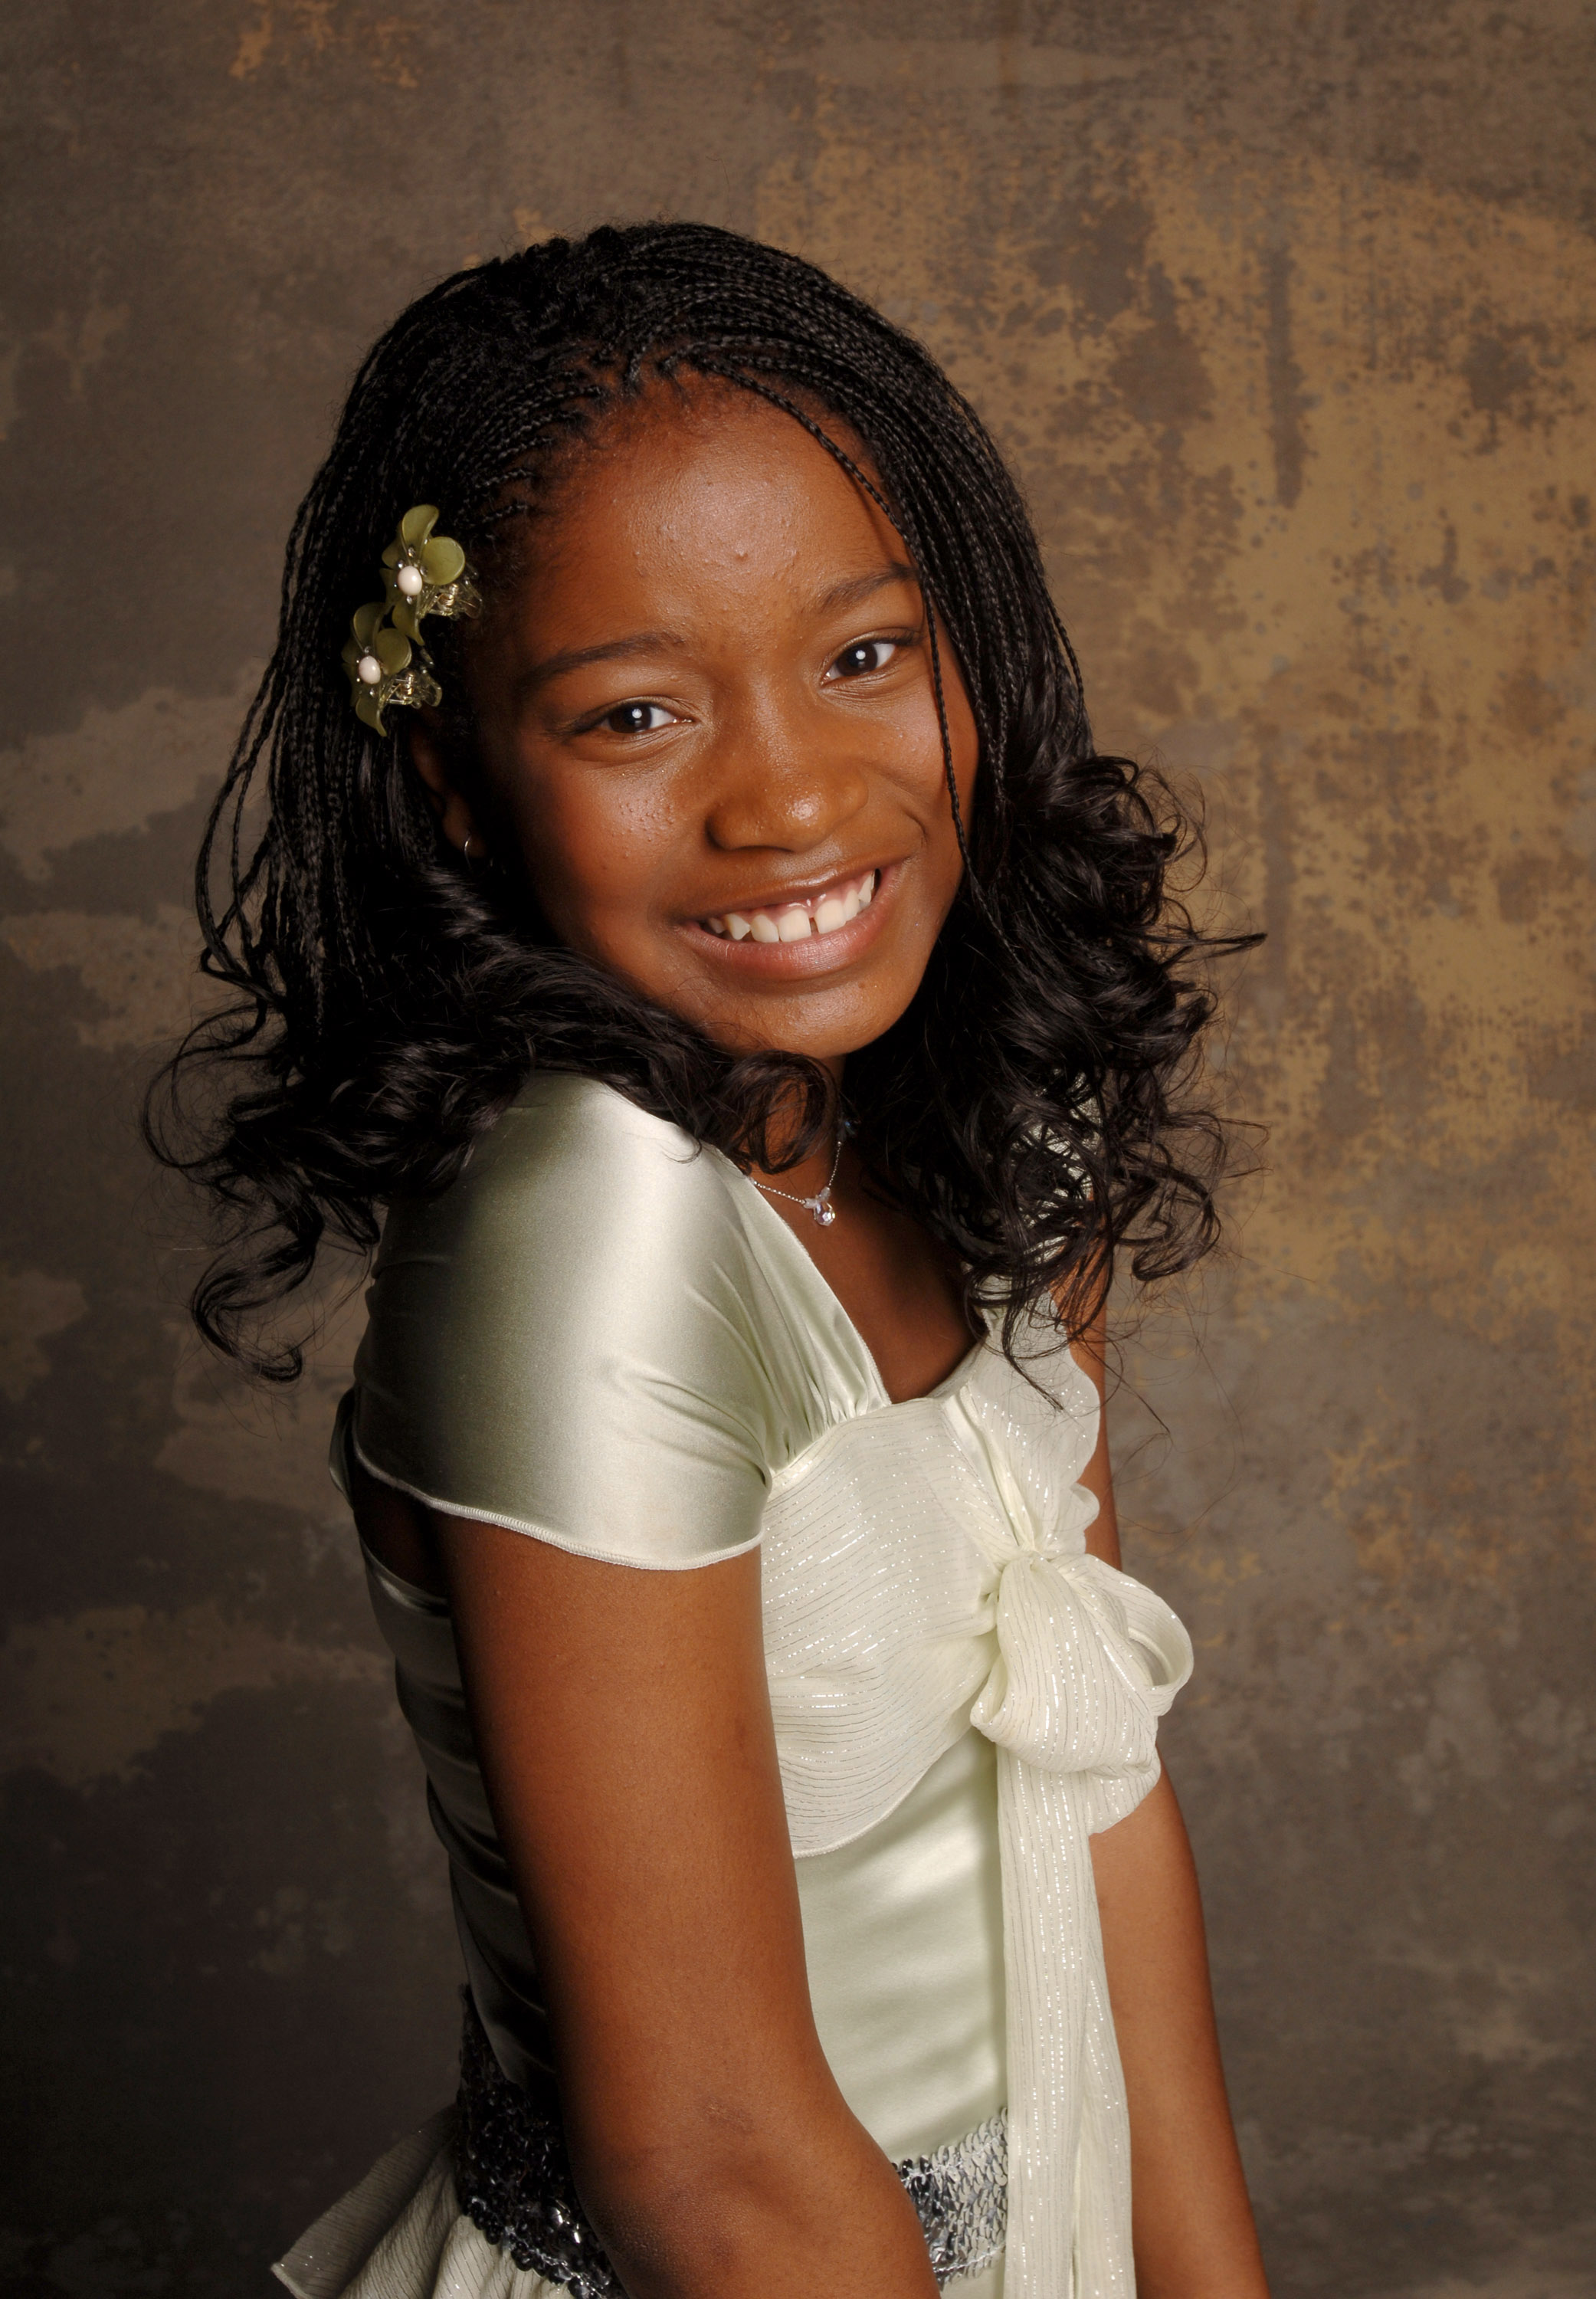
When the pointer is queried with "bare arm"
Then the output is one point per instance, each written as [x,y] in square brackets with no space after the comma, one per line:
[1192,2223]
[624,1724]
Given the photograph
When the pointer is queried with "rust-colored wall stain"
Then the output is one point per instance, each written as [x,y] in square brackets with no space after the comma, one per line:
[1286,318]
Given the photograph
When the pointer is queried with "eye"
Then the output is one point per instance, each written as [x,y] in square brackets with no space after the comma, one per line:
[864,656]
[637,719]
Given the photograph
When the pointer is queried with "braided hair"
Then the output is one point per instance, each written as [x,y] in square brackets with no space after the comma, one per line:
[1032,1107]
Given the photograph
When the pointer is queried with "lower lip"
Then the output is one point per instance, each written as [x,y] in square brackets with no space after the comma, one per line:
[816,953]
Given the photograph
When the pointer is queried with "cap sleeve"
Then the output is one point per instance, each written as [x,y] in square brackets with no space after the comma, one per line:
[575,1339]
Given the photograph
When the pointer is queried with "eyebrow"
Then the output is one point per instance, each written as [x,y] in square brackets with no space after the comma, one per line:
[851,592]
[556,666]
[857,588]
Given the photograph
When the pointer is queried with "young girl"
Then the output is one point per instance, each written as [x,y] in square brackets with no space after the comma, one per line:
[688,901]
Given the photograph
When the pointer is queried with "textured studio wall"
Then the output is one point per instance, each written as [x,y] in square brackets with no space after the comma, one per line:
[1286,311]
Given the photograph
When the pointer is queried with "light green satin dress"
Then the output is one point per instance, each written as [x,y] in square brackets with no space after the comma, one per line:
[603,1336]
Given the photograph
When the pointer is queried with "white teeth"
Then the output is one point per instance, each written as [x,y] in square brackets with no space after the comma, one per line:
[795,921]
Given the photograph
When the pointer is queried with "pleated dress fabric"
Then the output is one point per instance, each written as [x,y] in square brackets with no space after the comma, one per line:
[603,1336]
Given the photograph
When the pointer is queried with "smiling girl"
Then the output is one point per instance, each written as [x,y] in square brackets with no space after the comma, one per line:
[694,912]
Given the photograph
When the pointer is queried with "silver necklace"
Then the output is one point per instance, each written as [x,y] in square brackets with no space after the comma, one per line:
[820,1205]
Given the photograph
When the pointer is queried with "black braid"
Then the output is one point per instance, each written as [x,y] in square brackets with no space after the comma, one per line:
[1031,1108]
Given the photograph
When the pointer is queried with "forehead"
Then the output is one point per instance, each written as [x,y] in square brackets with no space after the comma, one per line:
[704,471]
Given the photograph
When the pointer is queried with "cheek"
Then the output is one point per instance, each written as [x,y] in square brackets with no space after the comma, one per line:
[932,772]
[593,844]
[961,729]
[908,755]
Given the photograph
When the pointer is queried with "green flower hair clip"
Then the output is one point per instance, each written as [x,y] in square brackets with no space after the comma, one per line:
[385,655]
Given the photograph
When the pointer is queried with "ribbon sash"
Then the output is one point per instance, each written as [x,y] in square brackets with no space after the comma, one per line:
[1088,1661]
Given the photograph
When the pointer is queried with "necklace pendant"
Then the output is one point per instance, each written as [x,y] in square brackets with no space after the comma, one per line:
[822,1207]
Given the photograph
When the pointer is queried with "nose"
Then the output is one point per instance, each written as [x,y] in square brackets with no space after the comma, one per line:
[784,787]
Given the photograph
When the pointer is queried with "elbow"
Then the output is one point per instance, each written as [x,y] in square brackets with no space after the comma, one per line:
[706,2207]
[679,2218]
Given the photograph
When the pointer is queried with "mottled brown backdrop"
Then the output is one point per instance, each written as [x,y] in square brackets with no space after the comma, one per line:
[1286,311]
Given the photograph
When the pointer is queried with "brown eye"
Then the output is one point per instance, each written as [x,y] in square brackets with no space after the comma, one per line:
[863,657]
[636,718]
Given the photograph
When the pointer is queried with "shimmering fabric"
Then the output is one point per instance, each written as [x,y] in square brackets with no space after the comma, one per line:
[926,1569]
[606,1338]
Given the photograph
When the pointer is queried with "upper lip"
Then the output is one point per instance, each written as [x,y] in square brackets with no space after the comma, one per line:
[804,889]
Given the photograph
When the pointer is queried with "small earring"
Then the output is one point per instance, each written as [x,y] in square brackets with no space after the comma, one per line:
[470,860]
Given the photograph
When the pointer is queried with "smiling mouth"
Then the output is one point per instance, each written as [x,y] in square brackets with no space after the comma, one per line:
[818,914]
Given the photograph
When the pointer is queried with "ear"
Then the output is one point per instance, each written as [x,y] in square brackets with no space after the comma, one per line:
[455,818]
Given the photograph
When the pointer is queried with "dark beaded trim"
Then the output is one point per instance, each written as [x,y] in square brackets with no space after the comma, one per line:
[515,2182]
[962,2194]
[514,2178]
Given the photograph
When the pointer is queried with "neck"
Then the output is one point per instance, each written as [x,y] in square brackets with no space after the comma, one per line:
[811,1172]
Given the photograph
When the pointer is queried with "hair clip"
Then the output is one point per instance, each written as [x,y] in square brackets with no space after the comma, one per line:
[385,655]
